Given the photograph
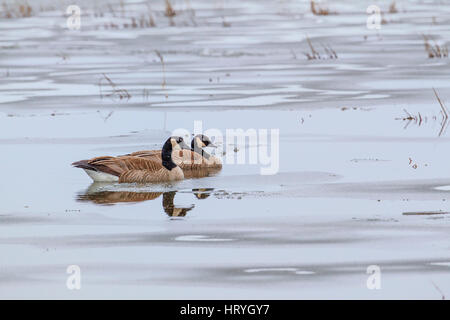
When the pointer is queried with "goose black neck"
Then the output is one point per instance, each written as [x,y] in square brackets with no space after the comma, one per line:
[196,148]
[166,156]
[200,151]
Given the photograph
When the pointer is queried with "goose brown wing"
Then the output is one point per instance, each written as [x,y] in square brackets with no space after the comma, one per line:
[145,153]
[119,165]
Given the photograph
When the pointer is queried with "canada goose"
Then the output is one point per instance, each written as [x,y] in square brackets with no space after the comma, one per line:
[136,169]
[194,158]
[201,141]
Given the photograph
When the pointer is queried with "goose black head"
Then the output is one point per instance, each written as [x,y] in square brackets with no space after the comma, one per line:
[178,143]
[172,144]
[201,141]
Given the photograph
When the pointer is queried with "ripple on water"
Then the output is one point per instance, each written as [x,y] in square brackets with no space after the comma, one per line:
[194,237]
[443,188]
[294,270]
[444,264]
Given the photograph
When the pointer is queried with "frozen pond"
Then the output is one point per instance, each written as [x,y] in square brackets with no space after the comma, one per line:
[363,150]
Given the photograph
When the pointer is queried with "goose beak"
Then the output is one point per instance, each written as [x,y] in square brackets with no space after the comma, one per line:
[212,145]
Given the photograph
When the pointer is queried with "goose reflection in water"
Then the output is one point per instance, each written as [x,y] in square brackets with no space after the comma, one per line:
[93,194]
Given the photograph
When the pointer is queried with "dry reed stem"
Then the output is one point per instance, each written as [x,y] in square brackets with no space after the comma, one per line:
[315,55]
[163,68]
[317,10]
[116,92]
[434,50]
[18,9]
[444,111]
[393,7]
[169,9]
[439,290]
[419,119]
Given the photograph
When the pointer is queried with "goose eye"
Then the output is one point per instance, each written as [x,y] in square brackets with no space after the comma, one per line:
[179,140]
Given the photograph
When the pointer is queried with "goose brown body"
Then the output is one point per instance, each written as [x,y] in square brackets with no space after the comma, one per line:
[136,169]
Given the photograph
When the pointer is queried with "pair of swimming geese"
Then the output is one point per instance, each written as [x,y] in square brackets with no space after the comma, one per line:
[175,161]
